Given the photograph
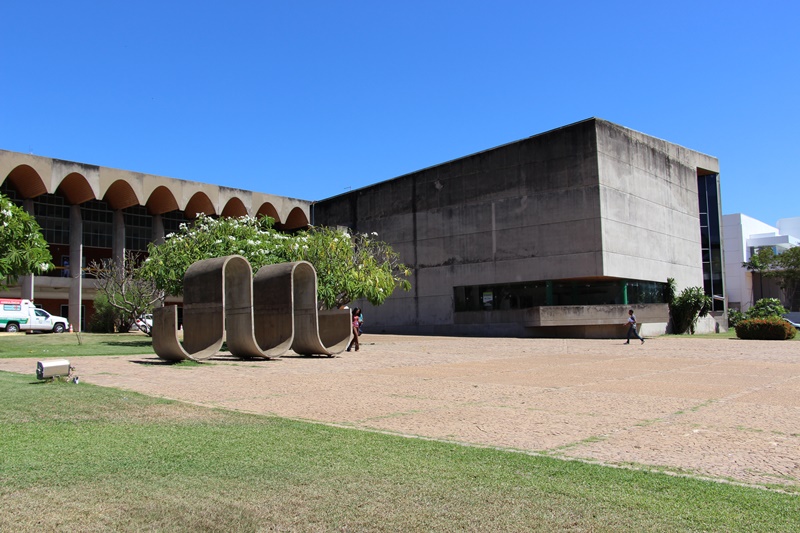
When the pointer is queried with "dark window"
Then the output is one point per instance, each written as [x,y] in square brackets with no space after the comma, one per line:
[98,224]
[138,228]
[172,221]
[506,296]
[52,214]
[711,237]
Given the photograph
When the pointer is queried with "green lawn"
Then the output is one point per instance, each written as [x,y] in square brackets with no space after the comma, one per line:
[86,458]
[73,344]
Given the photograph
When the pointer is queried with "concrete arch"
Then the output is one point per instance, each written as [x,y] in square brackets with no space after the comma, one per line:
[121,195]
[234,208]
[161,201]
[297,219]
[199,203]
[76,189]
[40,170]
[27,181]
[267,209]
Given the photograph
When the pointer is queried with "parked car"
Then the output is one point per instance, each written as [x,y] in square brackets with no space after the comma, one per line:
[23,315]
[145,323]
[795,324]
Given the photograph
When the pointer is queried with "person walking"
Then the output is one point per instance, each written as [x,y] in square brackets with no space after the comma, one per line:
[632,327]
[355,324]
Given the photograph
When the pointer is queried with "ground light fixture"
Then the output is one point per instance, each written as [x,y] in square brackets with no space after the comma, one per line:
[55,368]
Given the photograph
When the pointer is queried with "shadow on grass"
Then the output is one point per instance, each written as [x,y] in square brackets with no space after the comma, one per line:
[129,343]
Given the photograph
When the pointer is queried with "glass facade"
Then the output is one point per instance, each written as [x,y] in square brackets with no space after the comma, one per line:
[711,238]
[172,221]
[524,295]
[98,224]
[52,214]
[138,228]
[9,190]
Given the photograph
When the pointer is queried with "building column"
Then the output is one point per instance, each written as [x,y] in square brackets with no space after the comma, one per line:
[158,230]
[26,283]
[75,263]
[118,239]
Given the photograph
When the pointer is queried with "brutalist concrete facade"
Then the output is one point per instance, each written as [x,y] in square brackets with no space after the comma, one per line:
[587,205]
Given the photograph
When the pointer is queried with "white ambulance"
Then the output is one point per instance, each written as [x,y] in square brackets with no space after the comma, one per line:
[22,315]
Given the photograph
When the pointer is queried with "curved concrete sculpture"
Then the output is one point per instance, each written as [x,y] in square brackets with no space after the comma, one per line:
[263,317]
[210,286]
[285,307]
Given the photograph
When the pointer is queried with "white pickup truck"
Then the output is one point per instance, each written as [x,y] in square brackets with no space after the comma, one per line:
[23,315]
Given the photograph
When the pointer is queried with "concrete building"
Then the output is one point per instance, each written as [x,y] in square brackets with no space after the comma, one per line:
[557,235]
[743,237]
[91,213]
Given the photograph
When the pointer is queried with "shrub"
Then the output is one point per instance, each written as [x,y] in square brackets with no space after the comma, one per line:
[767,329]
[687,307]
[766,307]
[734,317]
[105,317]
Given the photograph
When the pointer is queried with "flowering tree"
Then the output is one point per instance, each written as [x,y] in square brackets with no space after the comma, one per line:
[348,266]
[23,249]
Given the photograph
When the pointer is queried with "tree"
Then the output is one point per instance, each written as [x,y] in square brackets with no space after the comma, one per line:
[348,266]
[127,290]
[685,308]
[23,249]
[787,272]
[783,267]
[760,263]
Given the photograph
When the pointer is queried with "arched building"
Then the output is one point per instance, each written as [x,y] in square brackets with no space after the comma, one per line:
[89,212]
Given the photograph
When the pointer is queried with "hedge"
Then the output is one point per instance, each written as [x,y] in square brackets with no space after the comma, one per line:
[767,329]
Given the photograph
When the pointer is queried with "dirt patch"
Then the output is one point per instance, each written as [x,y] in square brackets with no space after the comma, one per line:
[726,409]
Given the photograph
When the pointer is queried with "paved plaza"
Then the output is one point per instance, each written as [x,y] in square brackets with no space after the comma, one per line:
[719,408]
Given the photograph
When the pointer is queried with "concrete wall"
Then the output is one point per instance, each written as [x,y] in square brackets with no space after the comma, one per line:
[589,200]
[649,207]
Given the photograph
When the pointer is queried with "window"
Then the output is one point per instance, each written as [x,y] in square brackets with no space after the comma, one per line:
[710,238]
[52,214]
[524,295]
[138,228]
[98,224]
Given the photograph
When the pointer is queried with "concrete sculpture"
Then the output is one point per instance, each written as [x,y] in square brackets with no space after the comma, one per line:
[259,317]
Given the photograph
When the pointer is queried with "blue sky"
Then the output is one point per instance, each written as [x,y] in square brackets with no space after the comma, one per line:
[309,99]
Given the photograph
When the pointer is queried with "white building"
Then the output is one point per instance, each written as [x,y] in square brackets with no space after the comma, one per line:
[742,236]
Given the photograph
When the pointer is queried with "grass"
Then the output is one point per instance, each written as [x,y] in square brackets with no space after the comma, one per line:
[73,344]
[86,458]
